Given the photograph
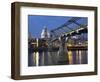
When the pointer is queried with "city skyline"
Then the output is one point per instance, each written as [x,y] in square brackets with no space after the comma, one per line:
[50,45]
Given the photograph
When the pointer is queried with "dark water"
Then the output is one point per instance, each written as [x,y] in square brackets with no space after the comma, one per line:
[53,58]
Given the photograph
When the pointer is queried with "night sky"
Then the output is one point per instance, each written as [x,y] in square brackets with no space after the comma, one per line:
[37,22]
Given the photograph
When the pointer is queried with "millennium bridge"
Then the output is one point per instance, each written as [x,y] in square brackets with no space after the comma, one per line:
[66,45]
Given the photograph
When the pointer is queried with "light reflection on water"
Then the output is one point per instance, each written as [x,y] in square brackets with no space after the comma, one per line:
[52,58]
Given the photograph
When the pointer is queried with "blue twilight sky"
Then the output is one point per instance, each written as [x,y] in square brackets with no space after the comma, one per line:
[37,22]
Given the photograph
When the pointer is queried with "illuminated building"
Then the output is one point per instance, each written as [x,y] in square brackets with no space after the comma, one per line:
[45,33]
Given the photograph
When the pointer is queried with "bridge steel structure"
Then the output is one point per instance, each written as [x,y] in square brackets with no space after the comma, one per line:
[70,28]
